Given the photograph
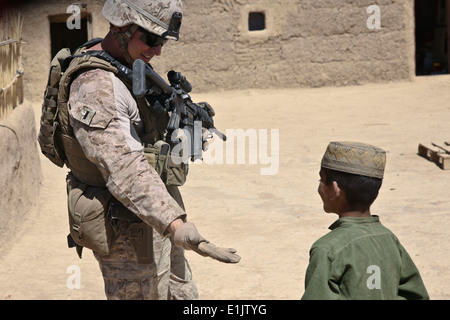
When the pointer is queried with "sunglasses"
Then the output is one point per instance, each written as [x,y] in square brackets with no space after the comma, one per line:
[150,39]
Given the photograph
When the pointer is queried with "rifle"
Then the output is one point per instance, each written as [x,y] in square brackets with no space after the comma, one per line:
[184,113]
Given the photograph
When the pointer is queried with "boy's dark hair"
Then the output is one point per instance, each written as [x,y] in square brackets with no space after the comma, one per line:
[361,191]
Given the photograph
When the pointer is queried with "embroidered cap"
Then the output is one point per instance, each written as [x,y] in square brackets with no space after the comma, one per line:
[355,157]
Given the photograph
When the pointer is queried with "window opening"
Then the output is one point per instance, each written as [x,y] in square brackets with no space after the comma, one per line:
[256,21]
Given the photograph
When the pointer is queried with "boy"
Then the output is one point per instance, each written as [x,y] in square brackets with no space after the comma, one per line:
[359,258]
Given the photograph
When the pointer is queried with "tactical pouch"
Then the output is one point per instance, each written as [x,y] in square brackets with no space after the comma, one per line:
[176,171]
[157,155]
[89,225]
[141,237]
[139,233]
[169,166]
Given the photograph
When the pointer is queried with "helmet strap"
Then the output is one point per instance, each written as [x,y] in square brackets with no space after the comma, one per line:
[123,38]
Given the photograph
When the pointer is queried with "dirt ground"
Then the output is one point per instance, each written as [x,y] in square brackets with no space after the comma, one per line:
[272,220]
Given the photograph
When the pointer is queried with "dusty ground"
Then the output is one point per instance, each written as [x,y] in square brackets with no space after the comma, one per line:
[273,219]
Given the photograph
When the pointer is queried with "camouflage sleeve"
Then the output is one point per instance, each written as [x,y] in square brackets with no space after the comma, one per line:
[101,112]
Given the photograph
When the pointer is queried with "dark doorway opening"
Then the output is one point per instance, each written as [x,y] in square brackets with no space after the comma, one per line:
[432,29]
[64,37]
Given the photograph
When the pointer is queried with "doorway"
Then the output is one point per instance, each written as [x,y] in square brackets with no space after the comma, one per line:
[431,36]
[62,36]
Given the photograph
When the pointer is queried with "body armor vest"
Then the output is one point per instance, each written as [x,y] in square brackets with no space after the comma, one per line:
[67,146]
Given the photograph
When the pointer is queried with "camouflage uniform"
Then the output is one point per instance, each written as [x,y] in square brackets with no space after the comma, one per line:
[111,142]
[102,128]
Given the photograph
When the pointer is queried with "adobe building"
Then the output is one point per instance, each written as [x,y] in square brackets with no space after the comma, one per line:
[242,44]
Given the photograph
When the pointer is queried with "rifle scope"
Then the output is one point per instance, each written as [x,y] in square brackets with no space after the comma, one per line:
[176,78]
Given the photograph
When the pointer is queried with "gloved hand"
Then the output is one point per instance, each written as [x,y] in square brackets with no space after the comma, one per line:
[186,236]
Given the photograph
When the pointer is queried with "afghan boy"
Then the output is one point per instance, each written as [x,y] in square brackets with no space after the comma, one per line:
[359,258]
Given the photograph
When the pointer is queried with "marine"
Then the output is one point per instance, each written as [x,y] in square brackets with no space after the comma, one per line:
[123,198]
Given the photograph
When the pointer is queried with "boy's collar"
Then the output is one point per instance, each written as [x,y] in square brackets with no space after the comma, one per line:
[347,221]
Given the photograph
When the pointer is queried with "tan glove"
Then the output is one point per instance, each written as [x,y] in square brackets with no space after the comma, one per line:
[186,236]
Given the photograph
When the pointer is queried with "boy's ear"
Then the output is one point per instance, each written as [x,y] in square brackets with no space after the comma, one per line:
[336,191]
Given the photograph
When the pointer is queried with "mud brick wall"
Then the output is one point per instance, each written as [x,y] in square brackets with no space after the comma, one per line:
[20,170]
[305,43]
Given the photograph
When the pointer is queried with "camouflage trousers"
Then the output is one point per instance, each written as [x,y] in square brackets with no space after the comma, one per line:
[167,276]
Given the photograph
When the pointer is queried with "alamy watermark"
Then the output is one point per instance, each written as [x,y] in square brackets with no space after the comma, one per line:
[374,20]
[258,147]
[74,280]
[374,280]
[249,146]
[74,21]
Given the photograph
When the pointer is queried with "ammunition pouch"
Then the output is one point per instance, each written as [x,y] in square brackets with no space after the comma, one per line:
[170,167]
[141,237]
[93,218]
[139,233]
[88,223]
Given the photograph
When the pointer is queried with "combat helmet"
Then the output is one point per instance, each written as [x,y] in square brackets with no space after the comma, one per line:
[160,17]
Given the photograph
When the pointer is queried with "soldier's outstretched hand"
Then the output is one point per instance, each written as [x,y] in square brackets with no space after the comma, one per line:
[186,236]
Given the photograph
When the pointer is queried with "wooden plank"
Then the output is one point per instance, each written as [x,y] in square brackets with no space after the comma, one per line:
[435,154]
[444,161]
[427,151]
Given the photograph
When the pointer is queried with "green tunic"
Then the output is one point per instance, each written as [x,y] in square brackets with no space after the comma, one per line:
[361,259]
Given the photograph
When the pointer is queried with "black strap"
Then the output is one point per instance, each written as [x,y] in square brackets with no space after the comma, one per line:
[102,54]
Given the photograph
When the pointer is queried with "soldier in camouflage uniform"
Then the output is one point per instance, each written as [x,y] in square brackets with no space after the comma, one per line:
[111,126]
